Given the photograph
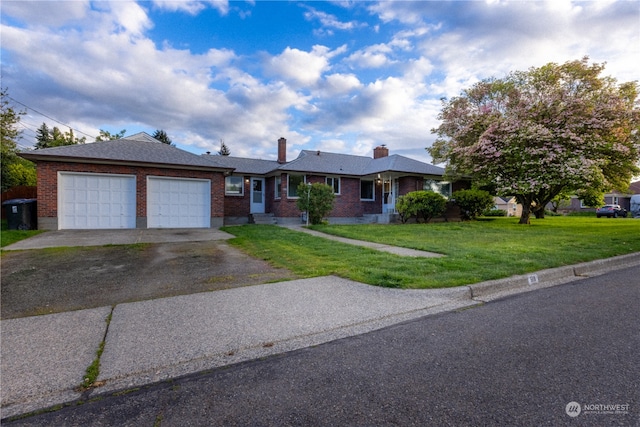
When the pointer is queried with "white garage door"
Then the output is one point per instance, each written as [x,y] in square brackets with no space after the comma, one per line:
[178,203]
[93,201]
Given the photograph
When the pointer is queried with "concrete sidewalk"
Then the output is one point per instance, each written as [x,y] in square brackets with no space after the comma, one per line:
[44,358]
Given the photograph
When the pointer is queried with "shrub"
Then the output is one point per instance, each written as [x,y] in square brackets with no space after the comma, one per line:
[316,199]
[472,202]
[495,212]
[420,205]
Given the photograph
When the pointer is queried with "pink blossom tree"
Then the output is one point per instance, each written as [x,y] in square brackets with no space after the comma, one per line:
[535,134]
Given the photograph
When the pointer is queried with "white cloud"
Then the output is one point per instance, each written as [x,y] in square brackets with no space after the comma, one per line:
[48,13]
[375,56]
[301,68]
[330,21]
[192,7]
[340,84]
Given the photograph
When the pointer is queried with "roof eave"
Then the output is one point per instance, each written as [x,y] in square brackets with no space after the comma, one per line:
[89,160]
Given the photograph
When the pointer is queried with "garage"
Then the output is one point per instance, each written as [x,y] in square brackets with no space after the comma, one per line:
[96,201]
[178,203]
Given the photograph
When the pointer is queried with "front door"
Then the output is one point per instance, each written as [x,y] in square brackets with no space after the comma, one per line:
[257,195]
[389,195]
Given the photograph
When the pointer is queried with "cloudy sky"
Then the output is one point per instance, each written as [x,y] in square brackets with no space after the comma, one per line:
[335,76]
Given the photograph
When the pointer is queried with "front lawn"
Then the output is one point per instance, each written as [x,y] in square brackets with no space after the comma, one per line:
[474,251]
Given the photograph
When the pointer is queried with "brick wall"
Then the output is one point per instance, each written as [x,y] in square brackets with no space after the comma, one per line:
[238,205]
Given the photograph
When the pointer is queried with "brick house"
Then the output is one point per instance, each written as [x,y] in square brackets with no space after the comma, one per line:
[138,182]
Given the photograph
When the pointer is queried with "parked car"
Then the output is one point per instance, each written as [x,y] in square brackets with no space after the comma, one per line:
[611,211]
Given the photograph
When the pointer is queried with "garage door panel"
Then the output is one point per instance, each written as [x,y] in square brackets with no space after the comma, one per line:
[178,203]
[89,201]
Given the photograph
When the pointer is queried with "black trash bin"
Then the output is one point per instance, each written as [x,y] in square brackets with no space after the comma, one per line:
[21,214]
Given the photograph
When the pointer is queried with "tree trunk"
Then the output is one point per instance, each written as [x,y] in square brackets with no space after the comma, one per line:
[525,201]
[539,213]
[526,213]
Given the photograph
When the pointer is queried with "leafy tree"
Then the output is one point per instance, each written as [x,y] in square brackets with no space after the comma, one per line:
[224,150]
[108,136]
[472,202]
[46,138]
[162,136]
[421,204]
[537,133]
[562,200]
[14,169]
[315,199]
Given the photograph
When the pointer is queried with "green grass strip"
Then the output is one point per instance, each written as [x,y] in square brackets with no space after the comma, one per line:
[93,370]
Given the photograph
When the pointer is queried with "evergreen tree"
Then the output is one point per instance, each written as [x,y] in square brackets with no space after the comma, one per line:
[224,150]
[46,138]
[43,137]
[162,136]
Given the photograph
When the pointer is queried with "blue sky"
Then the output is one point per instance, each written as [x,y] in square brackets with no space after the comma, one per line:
[335,76]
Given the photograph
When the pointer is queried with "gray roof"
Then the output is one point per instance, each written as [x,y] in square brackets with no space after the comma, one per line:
[327,163]
[345,164]
[401,164]
[140,148]
[243,165]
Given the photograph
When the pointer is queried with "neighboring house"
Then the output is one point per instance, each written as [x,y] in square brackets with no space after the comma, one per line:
[616,198]
[138,182]
[509,205]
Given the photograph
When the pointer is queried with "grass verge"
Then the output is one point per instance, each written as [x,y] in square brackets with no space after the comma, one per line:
[8,237]
[475,251]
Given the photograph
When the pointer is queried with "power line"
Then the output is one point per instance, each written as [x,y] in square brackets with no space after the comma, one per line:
[49,117]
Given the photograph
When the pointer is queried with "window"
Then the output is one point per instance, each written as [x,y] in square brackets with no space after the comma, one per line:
[292,185]
[278,192]
[366,190]
[233,186]
[333,182]
[440,187]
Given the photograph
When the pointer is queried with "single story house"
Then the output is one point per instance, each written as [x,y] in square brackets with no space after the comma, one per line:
[139,182]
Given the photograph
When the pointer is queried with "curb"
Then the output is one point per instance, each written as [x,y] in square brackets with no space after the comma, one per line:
[494,289]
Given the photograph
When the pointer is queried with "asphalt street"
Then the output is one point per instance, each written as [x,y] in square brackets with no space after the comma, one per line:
[565,355]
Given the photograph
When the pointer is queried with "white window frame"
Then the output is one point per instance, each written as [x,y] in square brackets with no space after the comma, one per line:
[278,187]
[234,193]
[334,180]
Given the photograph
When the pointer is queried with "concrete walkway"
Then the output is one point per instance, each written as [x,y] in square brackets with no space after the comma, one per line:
[396,250]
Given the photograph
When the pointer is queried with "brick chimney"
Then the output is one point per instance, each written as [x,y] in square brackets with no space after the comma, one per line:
[380,151]
[282,150]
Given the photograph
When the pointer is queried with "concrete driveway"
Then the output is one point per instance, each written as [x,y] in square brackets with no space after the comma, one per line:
[60,238]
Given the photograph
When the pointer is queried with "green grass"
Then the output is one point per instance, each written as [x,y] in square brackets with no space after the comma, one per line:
[474,251]
[8,237]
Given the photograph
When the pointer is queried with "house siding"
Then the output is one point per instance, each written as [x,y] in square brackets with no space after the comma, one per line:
[47,206]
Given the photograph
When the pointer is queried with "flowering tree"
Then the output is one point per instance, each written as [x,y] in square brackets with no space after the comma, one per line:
[535,134]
